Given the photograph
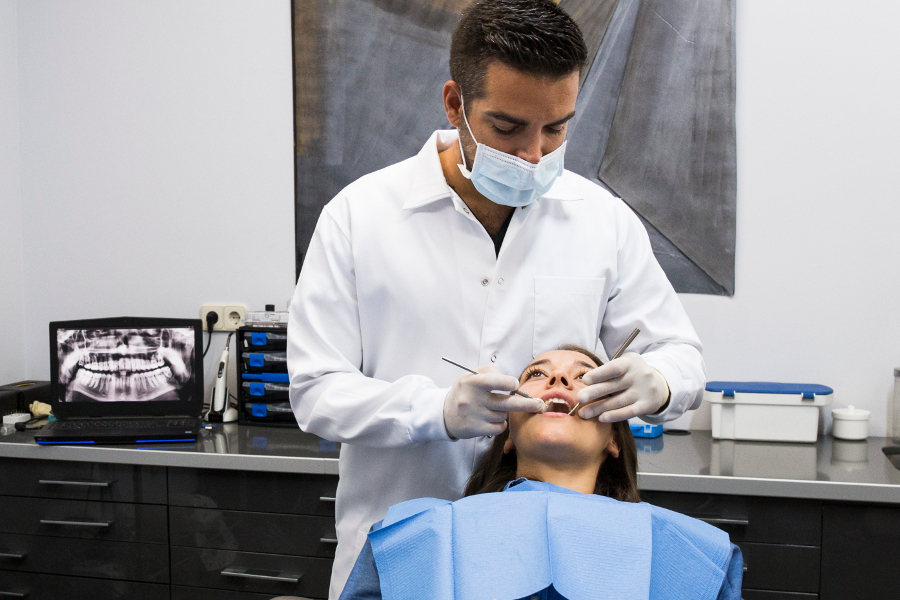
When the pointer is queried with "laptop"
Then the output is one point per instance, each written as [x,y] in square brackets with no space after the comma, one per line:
[125,380]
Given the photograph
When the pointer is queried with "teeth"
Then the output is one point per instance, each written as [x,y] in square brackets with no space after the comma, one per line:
[555,401]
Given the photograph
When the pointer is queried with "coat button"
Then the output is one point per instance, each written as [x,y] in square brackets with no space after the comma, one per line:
[466,210]
[485,281]
[500,281]
[494,358]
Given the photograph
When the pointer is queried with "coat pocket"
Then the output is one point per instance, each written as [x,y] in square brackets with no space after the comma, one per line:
[567,311]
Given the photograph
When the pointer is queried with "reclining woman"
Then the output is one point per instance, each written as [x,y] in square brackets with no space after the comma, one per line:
[568,525]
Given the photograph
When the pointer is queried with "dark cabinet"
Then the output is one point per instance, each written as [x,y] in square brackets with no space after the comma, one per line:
[860,552]
[780,538]
[105,531]
[83,530]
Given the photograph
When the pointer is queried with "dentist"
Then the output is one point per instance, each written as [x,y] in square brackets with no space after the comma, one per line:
[484,249]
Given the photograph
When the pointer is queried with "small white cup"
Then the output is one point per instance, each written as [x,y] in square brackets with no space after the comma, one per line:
[850,423]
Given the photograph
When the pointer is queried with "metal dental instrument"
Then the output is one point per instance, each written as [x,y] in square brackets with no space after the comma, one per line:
[519,392]
[618,353]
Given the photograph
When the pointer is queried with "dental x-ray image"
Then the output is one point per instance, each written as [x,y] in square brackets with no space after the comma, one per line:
[125,365]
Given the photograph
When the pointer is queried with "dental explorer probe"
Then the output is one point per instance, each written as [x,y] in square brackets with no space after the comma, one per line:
[618,353]
[519,392]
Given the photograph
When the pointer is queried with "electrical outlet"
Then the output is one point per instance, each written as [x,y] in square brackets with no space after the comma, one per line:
[234,316]
[219,310]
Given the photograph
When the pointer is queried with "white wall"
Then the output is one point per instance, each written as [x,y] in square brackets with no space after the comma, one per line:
[818,257]
[12,354]
[139,119]
[157,159]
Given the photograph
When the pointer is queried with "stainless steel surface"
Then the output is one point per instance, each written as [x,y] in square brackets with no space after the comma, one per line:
[828,469]
[456,364]
[276,577]
[74,483]
[76,523]
[229,446]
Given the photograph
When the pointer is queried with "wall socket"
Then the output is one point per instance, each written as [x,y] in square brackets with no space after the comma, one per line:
[230,316]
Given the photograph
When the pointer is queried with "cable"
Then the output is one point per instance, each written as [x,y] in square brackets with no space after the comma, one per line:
[211,319]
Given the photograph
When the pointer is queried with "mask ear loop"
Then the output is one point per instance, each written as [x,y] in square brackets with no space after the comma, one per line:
[462,104]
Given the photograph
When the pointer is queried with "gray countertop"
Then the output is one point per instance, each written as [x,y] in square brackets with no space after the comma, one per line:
[229,446]
[828,470]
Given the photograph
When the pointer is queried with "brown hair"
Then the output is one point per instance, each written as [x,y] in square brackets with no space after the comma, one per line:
[616,479]
[533,36]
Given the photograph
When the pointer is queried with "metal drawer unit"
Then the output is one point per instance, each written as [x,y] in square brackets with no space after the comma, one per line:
[250,533]
[83,530]
[780,538]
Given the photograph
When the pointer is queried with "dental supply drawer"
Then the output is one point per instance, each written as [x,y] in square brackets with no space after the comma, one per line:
[112,521]
[258,362]
[256,491]
[252,531]
[85,558]
[253,341]
[40,586]
[273,574]
[84,480]
[265,392]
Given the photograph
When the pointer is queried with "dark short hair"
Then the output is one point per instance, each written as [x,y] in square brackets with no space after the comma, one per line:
[616,479]
[534,36]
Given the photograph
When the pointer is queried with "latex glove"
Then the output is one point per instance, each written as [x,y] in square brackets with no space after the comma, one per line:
[627,387]
[472,408]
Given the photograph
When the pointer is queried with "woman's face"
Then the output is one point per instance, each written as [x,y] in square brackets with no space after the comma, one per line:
[554,436]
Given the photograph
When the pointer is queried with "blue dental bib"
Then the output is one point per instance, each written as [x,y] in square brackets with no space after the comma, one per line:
[513,544]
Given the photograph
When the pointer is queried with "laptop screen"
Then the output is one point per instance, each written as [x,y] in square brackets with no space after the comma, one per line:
[129,361]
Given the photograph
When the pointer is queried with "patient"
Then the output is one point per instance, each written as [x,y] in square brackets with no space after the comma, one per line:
[568,525]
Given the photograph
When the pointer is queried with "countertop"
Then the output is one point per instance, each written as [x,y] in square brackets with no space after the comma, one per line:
[827,470]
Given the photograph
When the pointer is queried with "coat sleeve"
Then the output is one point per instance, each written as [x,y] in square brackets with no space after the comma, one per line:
[329,394]
[643,297]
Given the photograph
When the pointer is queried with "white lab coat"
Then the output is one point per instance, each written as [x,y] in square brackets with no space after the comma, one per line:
[399,273]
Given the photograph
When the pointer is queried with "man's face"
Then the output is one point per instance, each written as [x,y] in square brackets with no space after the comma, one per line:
[519,114]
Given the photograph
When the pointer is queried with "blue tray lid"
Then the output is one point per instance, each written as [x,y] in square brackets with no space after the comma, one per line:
[807,390]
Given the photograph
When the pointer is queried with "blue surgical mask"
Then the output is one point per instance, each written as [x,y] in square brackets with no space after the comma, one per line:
[507,179]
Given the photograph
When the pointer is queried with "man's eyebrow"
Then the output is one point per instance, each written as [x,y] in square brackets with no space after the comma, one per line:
[502,116]
[585,364]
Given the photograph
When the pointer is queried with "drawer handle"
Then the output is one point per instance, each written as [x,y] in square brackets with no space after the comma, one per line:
[77,523]
[104,484]
[249,574]
[13,555]
[723,521]
[327,499]
[12,594]
[328,540]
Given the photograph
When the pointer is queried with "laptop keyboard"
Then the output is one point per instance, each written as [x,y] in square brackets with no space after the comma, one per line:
[153,423]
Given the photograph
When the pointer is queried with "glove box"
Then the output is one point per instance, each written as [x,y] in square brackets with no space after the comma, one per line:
[767,411]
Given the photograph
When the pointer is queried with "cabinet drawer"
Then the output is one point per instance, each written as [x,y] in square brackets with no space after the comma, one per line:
[80,519]
[85,558]
[83,480]
[860,557]
[252,531]
[191,593]
[781,568]
[767,595]
[296,494]
[750,519]
[251,572]
[53,587]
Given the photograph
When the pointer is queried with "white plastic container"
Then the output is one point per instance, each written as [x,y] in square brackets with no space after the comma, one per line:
[766,411]
[850,423]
